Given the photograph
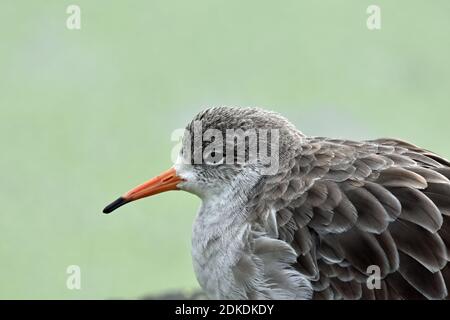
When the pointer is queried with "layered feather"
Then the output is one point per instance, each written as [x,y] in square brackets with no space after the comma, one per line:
[352,205]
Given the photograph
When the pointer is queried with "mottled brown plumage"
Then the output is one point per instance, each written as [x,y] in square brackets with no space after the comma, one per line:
[313,229]
[347,205]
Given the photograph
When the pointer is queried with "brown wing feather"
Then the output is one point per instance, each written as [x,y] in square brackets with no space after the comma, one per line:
[383,202]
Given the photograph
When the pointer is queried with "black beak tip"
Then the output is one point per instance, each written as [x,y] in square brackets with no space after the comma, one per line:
[114,205]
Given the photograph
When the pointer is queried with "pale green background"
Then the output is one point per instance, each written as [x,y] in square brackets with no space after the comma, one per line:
[85,115]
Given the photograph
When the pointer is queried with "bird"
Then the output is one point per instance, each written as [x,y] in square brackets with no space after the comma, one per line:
[337,219]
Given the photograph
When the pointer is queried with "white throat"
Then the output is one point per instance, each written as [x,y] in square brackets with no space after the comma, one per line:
[233,258]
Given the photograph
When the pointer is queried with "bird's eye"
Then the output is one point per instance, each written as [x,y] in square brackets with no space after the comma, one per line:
[214,158]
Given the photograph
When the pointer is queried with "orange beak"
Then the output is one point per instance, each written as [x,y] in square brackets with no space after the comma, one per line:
[168,180]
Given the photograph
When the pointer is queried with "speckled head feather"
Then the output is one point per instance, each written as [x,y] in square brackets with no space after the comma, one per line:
[246,119]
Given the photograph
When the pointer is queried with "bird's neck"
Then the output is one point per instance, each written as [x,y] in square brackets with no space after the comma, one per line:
[224,257]
[218,240]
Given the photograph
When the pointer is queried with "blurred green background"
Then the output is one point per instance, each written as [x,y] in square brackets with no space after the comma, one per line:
[87,114]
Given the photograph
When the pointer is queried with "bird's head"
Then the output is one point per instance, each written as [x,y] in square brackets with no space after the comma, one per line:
[224,148]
